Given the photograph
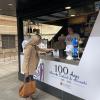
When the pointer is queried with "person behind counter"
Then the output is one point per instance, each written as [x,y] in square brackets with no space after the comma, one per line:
[71,35]
[61,40]
[31,51]
[72,41]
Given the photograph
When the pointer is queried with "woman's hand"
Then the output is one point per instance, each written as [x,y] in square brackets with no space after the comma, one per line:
[50,49]
[45,49]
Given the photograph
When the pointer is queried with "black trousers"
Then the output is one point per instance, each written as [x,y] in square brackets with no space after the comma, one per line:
[26,79]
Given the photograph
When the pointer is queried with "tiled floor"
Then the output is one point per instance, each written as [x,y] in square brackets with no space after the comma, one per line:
[8,67]
[9,89]
[9,83]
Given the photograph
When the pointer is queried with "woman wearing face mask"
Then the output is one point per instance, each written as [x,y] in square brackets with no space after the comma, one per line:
[31,57]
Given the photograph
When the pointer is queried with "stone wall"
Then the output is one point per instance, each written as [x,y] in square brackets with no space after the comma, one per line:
[8,26]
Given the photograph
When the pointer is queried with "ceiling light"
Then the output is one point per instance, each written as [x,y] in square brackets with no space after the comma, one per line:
[72,15]
[68,7]
[10,4]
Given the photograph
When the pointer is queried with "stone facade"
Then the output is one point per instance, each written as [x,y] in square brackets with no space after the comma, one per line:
[8,26]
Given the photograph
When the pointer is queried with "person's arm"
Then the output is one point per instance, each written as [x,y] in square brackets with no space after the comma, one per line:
[45,49]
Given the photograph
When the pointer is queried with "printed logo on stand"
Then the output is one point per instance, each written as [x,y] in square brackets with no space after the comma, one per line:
[66,76]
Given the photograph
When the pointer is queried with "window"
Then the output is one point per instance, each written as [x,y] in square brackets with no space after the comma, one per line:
[8,41]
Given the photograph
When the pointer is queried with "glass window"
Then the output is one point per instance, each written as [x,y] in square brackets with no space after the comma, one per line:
[8,41]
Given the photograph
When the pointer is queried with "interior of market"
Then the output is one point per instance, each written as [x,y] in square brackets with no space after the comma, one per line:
[55,29]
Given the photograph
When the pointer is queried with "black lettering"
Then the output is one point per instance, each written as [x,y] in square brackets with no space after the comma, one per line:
[65,70]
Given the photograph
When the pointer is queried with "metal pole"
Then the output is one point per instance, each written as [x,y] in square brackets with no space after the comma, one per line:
[20,38]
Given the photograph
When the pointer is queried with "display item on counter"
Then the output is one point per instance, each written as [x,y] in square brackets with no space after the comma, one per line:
[75,53]
[72,49]
[68,50]
[75,42]
[56,53]
[75,48]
